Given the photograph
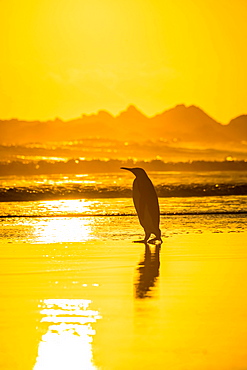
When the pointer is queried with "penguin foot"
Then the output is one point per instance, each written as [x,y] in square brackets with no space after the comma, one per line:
[155,241]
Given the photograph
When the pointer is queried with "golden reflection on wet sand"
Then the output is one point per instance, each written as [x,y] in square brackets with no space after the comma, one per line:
[187,311]
[67,343]
[67,230]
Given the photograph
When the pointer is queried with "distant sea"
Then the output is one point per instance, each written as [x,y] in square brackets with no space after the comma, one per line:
[118,185]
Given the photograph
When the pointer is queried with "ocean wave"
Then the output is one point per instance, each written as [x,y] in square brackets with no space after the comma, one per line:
[37,193]
[168,214]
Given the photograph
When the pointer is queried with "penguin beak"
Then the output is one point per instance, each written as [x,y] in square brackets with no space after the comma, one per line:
[125,168]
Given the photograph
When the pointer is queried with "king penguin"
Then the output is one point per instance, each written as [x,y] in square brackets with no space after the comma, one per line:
[146,204]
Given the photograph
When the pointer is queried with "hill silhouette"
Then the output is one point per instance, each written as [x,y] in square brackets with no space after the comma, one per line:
[181,124]
[190,124]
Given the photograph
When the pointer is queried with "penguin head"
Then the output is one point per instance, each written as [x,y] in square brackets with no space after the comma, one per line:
[138,172]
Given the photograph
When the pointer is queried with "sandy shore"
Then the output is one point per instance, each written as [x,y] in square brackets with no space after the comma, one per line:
[118,305]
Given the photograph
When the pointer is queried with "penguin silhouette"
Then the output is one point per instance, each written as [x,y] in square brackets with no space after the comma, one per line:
[146,204]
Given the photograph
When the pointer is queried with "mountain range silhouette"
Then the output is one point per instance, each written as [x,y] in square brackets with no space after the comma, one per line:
[180,124]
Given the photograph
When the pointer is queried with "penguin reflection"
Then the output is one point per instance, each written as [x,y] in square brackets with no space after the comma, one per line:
[148,271]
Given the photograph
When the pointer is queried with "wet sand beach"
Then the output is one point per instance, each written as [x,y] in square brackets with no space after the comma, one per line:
[114,304]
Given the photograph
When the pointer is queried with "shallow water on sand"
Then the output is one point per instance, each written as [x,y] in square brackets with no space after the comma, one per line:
[77,293]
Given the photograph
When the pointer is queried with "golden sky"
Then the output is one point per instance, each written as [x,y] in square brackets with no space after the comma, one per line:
[68,57]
